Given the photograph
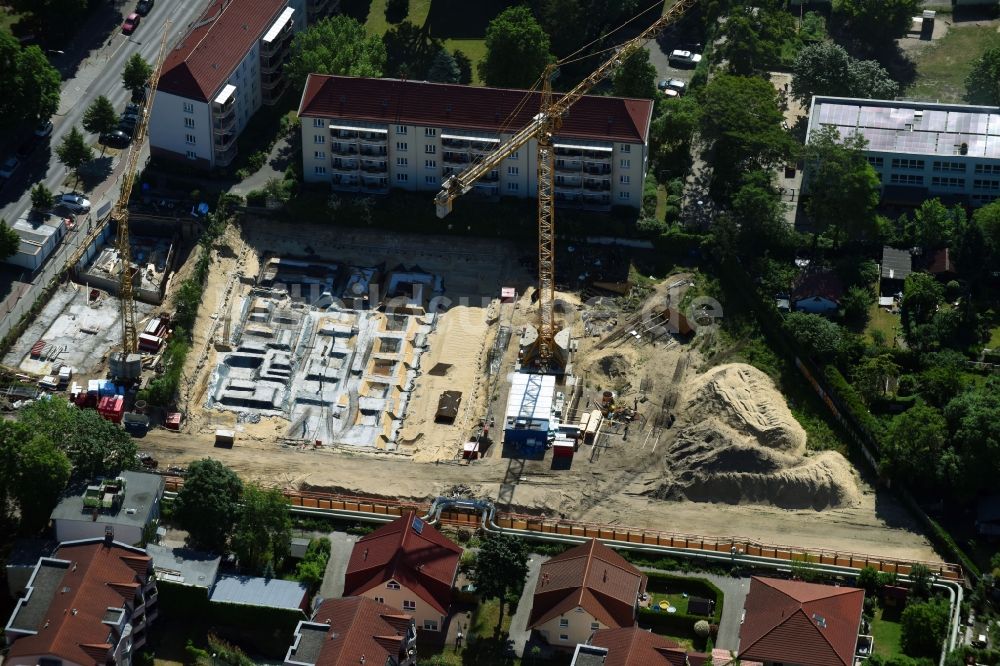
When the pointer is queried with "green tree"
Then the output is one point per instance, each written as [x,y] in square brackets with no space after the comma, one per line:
[872,376]
[444,68]
[924,627]
[974,420]
[410,50]
[982,85]
[857,304]
[921,581]
[501,567]
[207,505]
[93,445]
[868,580]
[335,45]
[821,337]
[941,379]
[916,440]
[9,240]
[671,134]
[754,36]
[517,50]
[263,530]
[42,473]
[312,568]
[922,295]
[636,77]
[761,215]
[986,221]
[875,23]
[825,68]
[100,117]
[843,188]
[74,152]
[41,197]
[30,83]
[464,66]
[934,224]
[53,20]
[135,74]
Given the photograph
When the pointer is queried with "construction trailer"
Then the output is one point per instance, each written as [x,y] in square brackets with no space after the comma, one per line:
[529,419]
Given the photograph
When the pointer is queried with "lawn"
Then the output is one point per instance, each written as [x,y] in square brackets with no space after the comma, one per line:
[994,342]
[678,601]
[887,633]
[880,320]
[942,67]
[8,18]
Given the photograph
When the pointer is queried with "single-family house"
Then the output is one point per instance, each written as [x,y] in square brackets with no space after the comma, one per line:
[941,264]
[793,623]
[896,265]
[354,630]
[629,646]
[406,564]
[128,504]
[585,589]
[817,291]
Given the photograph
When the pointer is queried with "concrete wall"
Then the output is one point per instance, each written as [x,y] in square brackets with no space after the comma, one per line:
[581,625]
[395,598]
[168,128]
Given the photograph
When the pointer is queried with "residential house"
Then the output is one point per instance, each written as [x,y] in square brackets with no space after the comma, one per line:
[22,560]
[794,623]
[941,264]
[88,604]
[367,135]
[354,630]
[128,504]
[227,65]
[184,567]
[920,149]
[629,646]
[817,291]
[584,590]
[286,595]
[406,564]
[896,265]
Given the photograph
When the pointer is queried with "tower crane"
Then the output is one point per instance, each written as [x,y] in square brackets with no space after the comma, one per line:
[126,364]
[544,355]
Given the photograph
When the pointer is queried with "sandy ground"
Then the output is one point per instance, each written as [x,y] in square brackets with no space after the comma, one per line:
[619,481]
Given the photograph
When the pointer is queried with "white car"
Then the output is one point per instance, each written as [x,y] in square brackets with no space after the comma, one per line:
[76,203]
[679,57]
[8,168]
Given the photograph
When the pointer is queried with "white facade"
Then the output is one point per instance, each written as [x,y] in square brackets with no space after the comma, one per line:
[38,239]
[425,616]
[569,629]
[182,126]
[922,149]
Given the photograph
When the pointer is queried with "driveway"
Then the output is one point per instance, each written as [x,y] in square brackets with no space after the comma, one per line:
[277,161]
[341,545]
[519,632]
[735,591]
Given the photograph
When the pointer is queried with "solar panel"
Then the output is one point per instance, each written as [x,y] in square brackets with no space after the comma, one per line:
[993,146]
[993,127]
[959,121]
[935,121]
[418,525]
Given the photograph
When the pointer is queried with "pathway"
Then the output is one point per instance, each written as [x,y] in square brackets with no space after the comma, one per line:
[519,632]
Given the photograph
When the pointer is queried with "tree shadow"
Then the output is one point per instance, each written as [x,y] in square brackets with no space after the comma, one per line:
[356,9]
[460,19]
[96,171]
[899,65]
[488,651]
[395,13]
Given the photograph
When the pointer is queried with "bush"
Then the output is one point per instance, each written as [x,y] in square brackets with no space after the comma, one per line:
[256,161]
[701,629]
[312,568]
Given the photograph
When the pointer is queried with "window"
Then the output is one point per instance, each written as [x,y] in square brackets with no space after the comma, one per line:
[191,155]
[401,178]
[319,155]
[319,138]
[401,161]
[430,149]
[986,184]
[903,163]
[512,187]
[189,138]
[189,122]
[430,625]
[626,147]
[512,170]
[564,637]
[380,600]
[188,107]
[430,131]
[431,180]
[401,129]
[988,169]
[401,145]
[624,195]
[317,122]
[945,181]
[563,623]
[319,170]
[515,155]
[906,179]
[624,180]
[594,626]
[430,164]
[392,585]
[949,166]
[876,162]
[984,198]
[626,164]
[409,605]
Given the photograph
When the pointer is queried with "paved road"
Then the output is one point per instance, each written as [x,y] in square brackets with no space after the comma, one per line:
[519,632]
[341,545]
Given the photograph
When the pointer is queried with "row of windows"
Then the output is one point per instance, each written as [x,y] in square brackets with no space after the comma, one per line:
[876,162]
[904,163]
[906,179]
[943,181]
[986,184]
[988,169]
[949,166]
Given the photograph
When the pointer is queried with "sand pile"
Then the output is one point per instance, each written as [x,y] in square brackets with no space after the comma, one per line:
[737,442]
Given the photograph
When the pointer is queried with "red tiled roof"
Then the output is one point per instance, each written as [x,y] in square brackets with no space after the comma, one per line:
[424,563]
[593,577]
[822,283]
[99,577]
[361,627]
[420,103]
[632,646]
[940,262]
[206,56]
[800,623]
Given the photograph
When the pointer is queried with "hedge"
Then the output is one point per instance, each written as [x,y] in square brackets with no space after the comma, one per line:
[672,624]
[698,587]
[851,402]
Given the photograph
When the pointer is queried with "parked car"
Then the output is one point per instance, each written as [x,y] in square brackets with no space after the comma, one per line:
[131,23]
[44,128]
[117,138]
[132,109]
[76,203]
[144,6]
[980,641]
[127,124]
[678,85]
[68,216]
[9,167]
[26,147]
[678,57]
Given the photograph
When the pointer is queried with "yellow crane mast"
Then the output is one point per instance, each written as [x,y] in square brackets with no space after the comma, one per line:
[127,365]
[544,355]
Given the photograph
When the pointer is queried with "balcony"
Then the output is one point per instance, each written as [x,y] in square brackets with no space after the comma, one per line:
[373,138]
[455,144]
[567,185]
[374,151]
[279,35]
[596,159]
[317,9]
[598,170]
[344,166]
[596,202]
[371,166]
[380,186]
[223,140]
[344,135]
[225,123]
[224,157]
[345,183]
[455,158]
[486,190]
[224,105]
[597,185]
[269,94]
[491,177]
[568,199]
[568,166]
[483,147]
[343,149]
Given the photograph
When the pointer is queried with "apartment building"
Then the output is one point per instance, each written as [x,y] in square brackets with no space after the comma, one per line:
[88,604]
[369,135]
[221,72]
[921,149]
[354,630]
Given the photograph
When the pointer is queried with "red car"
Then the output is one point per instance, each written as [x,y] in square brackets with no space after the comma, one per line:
[130,24]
